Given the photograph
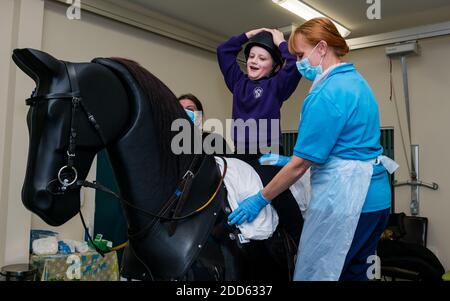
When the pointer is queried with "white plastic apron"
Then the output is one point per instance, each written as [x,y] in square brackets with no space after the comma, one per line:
[339,189]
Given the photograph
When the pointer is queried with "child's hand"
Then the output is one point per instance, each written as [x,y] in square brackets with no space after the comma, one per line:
[277,36]
[250,34]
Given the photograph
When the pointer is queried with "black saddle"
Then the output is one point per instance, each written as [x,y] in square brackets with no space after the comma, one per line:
[177,250]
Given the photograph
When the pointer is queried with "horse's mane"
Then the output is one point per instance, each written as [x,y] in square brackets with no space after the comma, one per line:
[165,109]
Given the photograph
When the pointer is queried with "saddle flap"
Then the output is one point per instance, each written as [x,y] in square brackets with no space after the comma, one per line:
[173,254]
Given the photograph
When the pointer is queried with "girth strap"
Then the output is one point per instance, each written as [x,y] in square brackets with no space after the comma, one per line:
[183,190]
[186,188]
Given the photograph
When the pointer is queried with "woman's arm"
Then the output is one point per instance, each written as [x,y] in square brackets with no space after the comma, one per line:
[286,177]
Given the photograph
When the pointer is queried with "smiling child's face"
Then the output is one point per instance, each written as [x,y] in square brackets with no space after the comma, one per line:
[259,63]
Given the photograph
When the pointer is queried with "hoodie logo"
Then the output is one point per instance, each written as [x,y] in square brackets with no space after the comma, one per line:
[258,92]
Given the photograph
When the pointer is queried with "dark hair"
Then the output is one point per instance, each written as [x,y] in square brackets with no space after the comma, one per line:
[193,98]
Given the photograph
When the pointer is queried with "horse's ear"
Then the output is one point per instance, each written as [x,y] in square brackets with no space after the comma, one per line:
[37,64]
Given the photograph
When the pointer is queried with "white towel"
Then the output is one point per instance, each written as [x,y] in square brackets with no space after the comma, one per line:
[242,181]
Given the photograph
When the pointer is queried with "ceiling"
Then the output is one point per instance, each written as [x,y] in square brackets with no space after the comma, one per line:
[230,17]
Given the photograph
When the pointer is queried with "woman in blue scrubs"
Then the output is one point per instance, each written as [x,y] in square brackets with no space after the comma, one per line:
[339,138]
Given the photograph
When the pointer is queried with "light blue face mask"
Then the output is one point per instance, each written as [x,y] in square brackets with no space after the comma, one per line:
[307,70]
[191,115]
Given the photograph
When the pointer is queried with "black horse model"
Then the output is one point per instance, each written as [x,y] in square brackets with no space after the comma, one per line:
[78,109]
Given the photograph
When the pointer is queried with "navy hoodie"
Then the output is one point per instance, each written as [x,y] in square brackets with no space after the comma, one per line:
[256,99]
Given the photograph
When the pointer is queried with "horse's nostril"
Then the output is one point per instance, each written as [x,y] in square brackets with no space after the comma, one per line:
[54,187]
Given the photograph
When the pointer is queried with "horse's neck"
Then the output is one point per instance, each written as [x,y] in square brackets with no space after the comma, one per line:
[135,160]
[135,157]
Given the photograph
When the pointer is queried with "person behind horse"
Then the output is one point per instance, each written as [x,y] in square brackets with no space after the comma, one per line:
[339,136]
[194,109]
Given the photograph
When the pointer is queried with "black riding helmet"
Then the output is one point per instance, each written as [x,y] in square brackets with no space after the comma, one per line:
[264,39]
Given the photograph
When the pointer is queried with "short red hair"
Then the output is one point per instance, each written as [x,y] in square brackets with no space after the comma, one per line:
[320,29]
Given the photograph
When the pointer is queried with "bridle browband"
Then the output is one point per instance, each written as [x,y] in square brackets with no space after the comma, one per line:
[72,182]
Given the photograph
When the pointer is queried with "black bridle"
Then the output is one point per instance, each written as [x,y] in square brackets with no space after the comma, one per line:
[67,177]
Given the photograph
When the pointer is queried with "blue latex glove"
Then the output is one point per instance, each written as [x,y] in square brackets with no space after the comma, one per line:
[248,209]
[274,159]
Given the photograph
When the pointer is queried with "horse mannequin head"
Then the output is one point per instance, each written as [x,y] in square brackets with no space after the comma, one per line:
[79,108]
[50,129]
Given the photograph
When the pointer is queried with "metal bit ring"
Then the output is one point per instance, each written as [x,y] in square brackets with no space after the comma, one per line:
[64,183]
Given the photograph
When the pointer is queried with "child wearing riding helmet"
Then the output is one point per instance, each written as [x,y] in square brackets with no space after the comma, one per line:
[259,94]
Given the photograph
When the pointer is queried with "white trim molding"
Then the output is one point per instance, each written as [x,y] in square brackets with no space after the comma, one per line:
[414,33]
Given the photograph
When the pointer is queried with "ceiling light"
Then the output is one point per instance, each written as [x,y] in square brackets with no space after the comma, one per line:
[306,12]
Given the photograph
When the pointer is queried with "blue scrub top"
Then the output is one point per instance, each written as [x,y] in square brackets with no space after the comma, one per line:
[340,119]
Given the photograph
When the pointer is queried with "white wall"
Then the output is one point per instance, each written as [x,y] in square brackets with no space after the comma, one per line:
[6,24]
[20,26]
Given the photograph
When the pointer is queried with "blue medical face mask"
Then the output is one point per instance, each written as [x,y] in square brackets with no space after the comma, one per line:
[307,70]
[191,115]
